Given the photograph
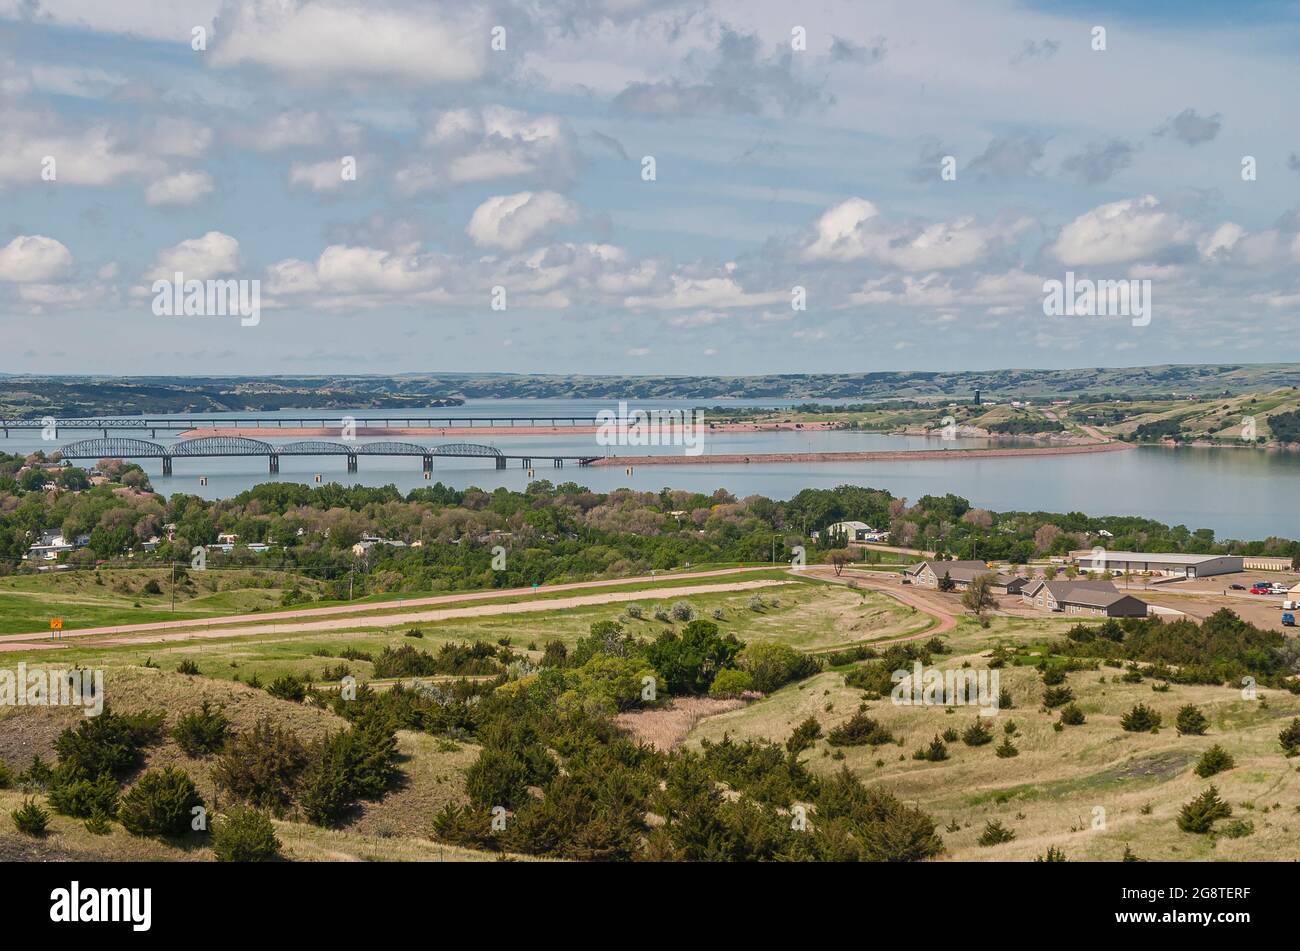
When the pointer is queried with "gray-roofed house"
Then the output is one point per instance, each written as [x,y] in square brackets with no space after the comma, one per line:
[1098,598]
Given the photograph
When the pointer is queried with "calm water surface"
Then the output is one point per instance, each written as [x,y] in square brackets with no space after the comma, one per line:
[1237,493]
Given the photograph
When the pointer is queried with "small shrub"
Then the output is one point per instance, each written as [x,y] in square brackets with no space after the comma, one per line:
[97,823]
[995,833]
[159,804]
[287,687]
[1141,719]
[1214,760]
[1052,676]
[1191,721]
[682,611]
[1290,737]
[977,734]
[1072,715]
[201,732]
[7,777]
[1236,829]
[73,793]
[731,683]
[718,614]
[936,752]
[756,602]
[1057,696]
[950,735]
[1053,855]
[859,730]
[244,835]
[633,611]
[1199,815]
[187,666]
[1006,749]
[660,613]
[31,819]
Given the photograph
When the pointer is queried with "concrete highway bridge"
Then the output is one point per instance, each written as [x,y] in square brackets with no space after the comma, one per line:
[209,447]
[154,425]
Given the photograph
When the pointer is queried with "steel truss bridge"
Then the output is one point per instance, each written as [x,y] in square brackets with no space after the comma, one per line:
[208,447]
[154,425]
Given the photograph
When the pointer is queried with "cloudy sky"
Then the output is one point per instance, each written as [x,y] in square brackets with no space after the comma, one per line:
[639,186]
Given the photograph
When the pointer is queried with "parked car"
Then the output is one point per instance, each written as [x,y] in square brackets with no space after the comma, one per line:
[1237,587]
[1261,589]
[1288,620]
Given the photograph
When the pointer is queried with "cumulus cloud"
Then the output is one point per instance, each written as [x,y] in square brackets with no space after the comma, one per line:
[340,40]
[34,258]
[511,221]
[1135,229]
[198,258]
[464,146]
[93,154]
[183,188]
[855,230]
[1190,128]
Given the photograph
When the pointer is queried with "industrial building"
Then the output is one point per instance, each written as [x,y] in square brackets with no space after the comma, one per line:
[1162,563]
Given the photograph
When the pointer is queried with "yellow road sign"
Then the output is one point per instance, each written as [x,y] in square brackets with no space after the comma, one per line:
[56,624]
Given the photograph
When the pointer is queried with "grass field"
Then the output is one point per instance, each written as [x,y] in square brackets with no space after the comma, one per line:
[1089,790]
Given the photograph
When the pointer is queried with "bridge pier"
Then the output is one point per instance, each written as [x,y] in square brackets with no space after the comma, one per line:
[558,463]
[525,463]
[501,462]
[428,463]
[167,465]
[274,461]
[352,462]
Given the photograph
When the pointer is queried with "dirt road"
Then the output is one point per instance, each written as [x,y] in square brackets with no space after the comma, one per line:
[373,606]
[945,620]
[152,635]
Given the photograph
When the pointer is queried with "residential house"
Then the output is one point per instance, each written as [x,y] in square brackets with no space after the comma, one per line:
[1097,598]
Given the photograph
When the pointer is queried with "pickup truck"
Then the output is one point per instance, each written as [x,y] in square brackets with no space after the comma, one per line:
[1288,620]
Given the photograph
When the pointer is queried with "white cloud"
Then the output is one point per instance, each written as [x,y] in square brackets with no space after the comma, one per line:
[198,258]
[463,146]
[333,40]
[1120,232]
[855,230]
[326,176]
[705,292]
[511,221]
[183,188]
[34,258]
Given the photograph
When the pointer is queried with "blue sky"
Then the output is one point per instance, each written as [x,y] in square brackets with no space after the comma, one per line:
[779,165]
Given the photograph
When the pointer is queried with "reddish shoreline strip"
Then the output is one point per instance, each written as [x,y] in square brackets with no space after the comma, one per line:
[888,455]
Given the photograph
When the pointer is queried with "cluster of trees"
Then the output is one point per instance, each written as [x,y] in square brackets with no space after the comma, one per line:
[1220,649]
[550,532]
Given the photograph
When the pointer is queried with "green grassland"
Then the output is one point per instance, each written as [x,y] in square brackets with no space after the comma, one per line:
[1089,790]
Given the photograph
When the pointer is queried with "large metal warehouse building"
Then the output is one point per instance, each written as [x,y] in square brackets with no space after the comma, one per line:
[1165,563]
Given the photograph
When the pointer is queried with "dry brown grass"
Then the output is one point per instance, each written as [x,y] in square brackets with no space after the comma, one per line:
[666,728]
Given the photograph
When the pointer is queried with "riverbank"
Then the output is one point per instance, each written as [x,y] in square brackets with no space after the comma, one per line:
[900,455]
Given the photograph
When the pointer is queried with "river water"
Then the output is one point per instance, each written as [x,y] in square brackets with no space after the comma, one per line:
[1239,493]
